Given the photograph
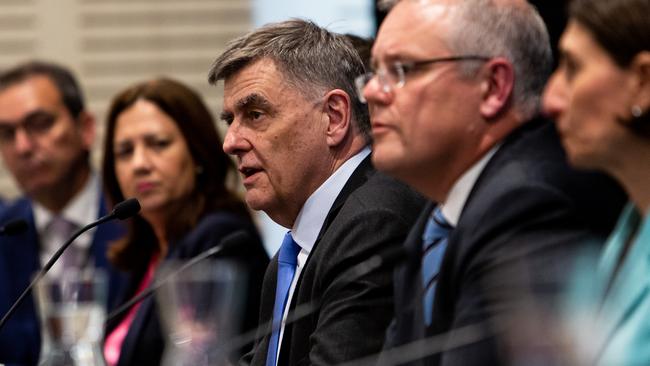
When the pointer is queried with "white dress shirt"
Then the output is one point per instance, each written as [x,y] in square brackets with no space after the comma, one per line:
[460,190]
[311,217]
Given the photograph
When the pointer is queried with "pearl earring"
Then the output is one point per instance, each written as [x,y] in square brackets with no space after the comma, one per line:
[636,111]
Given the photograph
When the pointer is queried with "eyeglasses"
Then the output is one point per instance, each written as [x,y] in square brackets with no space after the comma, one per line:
[35,124]
[394,75]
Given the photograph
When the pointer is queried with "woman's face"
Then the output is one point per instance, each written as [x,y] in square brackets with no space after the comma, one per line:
[587,95]
[152,160]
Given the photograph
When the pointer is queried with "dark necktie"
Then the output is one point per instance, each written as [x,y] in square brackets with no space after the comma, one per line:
[287,261]
[62,228]
[434,243]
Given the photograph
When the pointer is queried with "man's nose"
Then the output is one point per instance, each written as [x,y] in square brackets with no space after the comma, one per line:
[22,141]
[234,142]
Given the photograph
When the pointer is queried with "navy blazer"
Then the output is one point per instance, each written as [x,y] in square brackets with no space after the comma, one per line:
[144,342]
[371,214]
[20,339]
[526,219]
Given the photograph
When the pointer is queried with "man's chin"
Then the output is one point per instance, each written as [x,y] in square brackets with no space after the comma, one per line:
[385,161]
[254,202]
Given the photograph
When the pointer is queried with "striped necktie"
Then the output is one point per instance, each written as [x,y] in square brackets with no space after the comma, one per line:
[434,243]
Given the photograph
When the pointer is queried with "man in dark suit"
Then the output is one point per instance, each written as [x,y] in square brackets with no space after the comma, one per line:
[301,138]
[45,140]
[454,102]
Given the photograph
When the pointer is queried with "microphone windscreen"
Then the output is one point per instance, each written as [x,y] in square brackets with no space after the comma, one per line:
[14,227]
[126,209]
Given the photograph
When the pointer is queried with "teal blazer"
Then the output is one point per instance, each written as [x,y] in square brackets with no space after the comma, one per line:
[612,326]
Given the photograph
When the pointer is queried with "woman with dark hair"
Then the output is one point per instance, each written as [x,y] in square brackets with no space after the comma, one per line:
[162,147]
[600,97]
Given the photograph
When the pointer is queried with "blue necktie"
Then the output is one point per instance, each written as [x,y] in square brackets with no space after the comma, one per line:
[287,261]
[434,243]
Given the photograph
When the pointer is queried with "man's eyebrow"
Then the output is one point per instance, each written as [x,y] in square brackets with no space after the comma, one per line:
[253,100]
[31,115]
[225,116]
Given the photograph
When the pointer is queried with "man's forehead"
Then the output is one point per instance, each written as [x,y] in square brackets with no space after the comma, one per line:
[29,95]
[257,75]
[34,88]
[412,29]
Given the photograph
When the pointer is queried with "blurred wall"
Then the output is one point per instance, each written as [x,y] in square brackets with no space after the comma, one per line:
[111,44]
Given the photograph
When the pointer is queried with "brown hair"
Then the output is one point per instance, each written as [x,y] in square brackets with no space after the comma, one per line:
[210,193]
[622,29]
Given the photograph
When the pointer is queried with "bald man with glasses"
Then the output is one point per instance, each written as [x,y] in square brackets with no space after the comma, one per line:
[454,94]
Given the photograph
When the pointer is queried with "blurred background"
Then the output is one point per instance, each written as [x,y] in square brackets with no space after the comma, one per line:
[110,44]
[113,43]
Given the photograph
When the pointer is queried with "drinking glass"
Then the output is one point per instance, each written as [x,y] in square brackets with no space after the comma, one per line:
[200,311]
[72,310]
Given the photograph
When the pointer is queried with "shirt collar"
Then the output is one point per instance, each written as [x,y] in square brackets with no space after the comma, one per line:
[312,215]
[453,206]
[83,206]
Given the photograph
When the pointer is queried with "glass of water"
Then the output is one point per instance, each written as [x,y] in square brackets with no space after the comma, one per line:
[72,310]
[200,311]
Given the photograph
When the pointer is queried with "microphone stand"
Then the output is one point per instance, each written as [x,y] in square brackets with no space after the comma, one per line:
[40,274]
[122,210]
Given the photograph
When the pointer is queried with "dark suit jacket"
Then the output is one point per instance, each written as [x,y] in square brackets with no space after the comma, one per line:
[144,342]
[19,259]
[371,214]
[524,222]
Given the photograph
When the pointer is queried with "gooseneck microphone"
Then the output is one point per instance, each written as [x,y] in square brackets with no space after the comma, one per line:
[13,227]
[121,211]
[231,240]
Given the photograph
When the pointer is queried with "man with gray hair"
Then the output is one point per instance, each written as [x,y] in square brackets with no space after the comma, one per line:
[454,99]
[301,139]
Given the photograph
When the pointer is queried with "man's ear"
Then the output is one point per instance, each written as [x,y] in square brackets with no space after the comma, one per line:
[339,114]
[86,125]
[496,87]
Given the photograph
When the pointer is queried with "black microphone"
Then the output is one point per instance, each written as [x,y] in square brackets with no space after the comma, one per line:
[14,227]
[125,209]
[122,210]
[231,240]
[387,257]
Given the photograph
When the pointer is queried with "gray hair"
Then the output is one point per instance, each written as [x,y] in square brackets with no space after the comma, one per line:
[510,29]
[312,59]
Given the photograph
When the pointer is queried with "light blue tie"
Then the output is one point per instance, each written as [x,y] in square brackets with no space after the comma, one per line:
[287,261]
[434,243]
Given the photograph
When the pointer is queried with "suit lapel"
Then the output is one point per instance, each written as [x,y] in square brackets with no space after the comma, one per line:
[24,248]
[630,284]
[266,317]
[359,177]
[413,290]
[361,174]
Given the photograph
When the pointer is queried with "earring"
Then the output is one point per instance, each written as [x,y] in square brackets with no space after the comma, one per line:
[636,111]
